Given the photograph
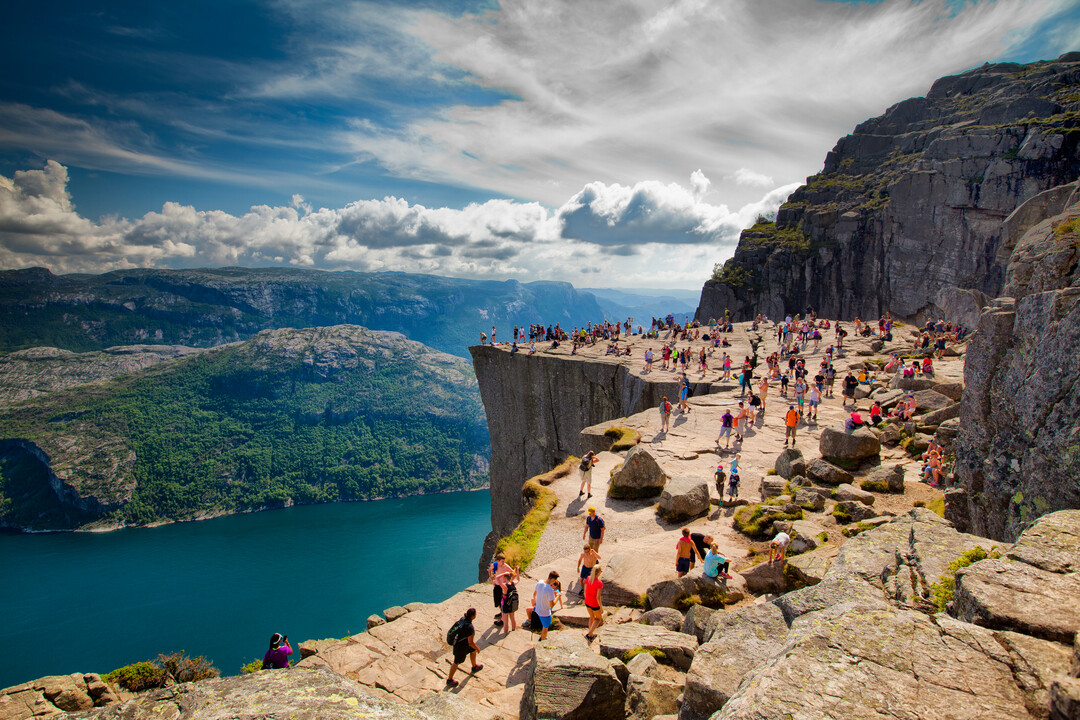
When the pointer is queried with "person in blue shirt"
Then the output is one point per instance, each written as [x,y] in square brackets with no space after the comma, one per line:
[594,528]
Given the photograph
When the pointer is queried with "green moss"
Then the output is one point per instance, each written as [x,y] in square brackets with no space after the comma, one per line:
[1065,227]
[623,438]
[632,653]
[841,514]
[520,545]
[823,536]
[944,589]
[874,486]
[937,505]
[771,471]
[753,521]
[853,530]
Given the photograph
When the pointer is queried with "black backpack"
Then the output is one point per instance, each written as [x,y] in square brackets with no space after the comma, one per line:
[510,599]
[455,630]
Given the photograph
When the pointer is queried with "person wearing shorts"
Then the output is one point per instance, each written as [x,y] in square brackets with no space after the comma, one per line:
[684,553]
[586,562]
[778,547]
[791,422]
[727,422]
[594,528]
[593,586]
[815,400]
[542,600]
[464,647]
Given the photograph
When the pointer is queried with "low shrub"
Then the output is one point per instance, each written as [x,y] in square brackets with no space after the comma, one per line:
[623,438]
[139,676]
[187,669]
[874,486]
[252,667]
[841,514]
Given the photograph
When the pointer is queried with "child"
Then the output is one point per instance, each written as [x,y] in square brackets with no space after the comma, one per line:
[556,585]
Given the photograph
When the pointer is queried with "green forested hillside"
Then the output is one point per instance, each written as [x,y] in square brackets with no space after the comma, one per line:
[290,416]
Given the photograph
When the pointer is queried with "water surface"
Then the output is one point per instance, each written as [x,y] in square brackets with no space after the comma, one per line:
[80,602]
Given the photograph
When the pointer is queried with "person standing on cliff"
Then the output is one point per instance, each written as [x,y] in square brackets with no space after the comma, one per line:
[850,383]
[464,646]
[498,569]
[594,529]
[586,467]
[665,414]
[542,600]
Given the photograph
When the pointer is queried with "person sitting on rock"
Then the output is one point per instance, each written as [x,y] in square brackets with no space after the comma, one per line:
[715,565]
[277,657]
[907,408]
[875,413]
[927,366]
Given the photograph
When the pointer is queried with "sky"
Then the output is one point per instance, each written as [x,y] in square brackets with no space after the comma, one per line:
[608,143]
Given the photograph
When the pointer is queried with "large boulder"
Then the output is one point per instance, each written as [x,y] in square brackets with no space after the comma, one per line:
[568,680]
[633,567]
[809,500]
[939,416]
[765,578]
[930,401]
[683,498]
[772,486]
[848,447]
[697,621]
[1035,589]
[648,697]
[789,463]
[665,617]
[892,476]
[810,567]
[849,511]
[833,589]
[618,640]
[639,476]
[824,471]
[741,640]
[846,492]
[714,593]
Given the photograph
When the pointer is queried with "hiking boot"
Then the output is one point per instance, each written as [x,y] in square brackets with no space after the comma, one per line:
[477,668]
[451,683]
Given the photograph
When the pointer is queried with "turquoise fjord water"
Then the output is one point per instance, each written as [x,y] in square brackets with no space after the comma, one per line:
[78,602]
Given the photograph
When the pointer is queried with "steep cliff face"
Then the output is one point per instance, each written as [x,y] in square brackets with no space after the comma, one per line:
[537,404]
[1018,452]
[912,202]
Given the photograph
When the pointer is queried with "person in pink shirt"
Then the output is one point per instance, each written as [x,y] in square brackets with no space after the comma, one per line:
[277,657]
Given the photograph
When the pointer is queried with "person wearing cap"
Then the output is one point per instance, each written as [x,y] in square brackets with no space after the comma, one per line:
[720,477]
[277,657]
[791,423]
[594,529]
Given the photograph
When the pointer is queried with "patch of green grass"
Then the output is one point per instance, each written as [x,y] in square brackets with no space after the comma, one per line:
[520,545]
[623,438]
[753,521]
[823,536]
[874,486]
[944,589]
[853,530]
[1065,227]
[937,505]
[771,471]
[841,514]
[660,655]
[139,676]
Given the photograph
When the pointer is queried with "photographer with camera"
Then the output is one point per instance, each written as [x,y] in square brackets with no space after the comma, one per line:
[277,657]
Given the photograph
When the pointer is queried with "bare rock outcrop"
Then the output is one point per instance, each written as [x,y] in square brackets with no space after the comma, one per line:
[860,239]
[568,680]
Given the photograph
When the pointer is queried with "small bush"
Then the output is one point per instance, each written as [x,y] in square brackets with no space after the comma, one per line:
[874,486]
[139,676]
[252,667]
[771,471]
[937,505]
[920,503]
[187,669]
[686,602]
[623,438]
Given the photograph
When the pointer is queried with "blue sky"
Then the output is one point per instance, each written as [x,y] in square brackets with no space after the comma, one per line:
[562,139]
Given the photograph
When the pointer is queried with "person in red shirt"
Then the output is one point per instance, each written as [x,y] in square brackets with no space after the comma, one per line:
[593,586]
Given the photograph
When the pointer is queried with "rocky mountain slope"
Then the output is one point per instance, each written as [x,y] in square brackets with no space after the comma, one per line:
[912,202]
[209,307]
[289,416]
[1019,444]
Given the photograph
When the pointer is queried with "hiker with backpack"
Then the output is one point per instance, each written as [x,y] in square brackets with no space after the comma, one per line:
[460,637]
[665,414]
[586,467]
[277,657]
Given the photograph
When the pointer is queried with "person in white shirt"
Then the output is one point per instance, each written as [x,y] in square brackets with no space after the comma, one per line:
[778,547]
[543,598]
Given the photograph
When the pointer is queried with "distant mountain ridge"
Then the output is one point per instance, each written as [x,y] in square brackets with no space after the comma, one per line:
[289,416]
[209,307]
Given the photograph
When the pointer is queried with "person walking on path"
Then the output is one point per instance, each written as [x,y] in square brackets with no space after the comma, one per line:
[586,562]
[586,467]
[464,646]
[815,400]
[684,393]
[593,586]
[542,600]
[719,476]
[665,414]
[727,423]
[791,423]
[277,657]
[594,529]
[743,420]
[685,551]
